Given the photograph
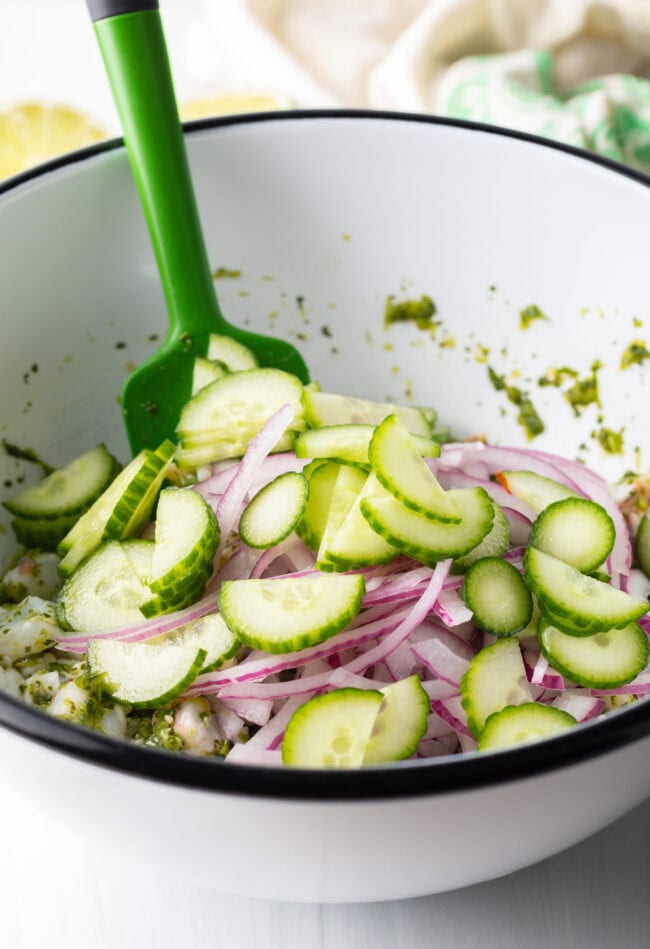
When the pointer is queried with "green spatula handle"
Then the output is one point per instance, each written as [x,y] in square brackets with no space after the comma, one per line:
[132,44]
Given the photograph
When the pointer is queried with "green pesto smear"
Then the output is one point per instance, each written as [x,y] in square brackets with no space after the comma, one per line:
[609,440]
[581,392]
[529,315]
[421,312]
[527,415]
[26,454]
[635,354]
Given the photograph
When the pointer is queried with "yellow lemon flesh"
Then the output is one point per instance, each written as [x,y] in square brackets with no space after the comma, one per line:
[31,133]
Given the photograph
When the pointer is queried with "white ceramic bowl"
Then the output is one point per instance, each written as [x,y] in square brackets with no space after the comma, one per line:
[342,209]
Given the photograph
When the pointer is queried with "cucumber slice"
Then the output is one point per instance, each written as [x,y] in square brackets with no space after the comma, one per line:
[349,444]
[588,605]
[323,409]
[274,512]
[426,540]
[209,633]
[232,354]
[331,730]
[349,483]
[495,543]
[42,534]
[575,530]
[496,678]
[496,594]
[355,544]
[221,419]
[205,372]
[519,723]
[643,544]
[69,490]
[533,489]
[322,480]
[402,471]
[142,675]
[187,537]
[282,615]
[121,511]
[400,724]
[606,660]
[105,591]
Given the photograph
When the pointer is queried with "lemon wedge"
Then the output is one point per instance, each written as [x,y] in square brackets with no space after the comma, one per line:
[32,132]
[229,104]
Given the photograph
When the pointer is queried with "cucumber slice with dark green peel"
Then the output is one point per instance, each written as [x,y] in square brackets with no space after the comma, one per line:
[141,675]
[186,540]
[642,544]
[588,605]
[209,633]
[403,472]
[205,372]
[104,592]
[496,594]
[495,543]
[121,511]
[349,444]
[178,599]
[69,490]
[349,483]
[231,353]
[516,724]
[322,480]
[606,660]
[221,419]
[275,511]
[355,544]
[331,730]
[284,614]
[575,530]
[496,678]
[430,541]
[400,724]
[45,534]
[535,490]
[323,409]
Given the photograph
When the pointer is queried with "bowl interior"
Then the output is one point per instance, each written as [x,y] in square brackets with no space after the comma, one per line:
[324,218]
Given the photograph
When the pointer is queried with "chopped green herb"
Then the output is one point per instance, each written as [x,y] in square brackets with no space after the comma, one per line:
[529,314]
[636,353]
[222,272]
[584,392]
[609,440]
[557,377]
[420,312]
[527,416]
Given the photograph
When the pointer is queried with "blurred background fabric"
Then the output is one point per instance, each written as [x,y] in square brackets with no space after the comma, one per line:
[574,70]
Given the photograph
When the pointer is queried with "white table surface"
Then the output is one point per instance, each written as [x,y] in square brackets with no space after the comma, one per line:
[58,892]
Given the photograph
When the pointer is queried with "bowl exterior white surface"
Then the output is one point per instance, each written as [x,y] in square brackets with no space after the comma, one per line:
[325,218]
[330,852]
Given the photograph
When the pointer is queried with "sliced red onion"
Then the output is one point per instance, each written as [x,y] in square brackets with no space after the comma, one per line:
[452,711]
[431,748]
[639,686]
[342,679]
[519,524]
[459,479]
[539,672]
[415,616]
[243,754]
[251,710]
[579,704]
[446,656]
[257,669]
[451,609]
[467,743]
[228,722]
[437,727]
[437,689]
[401,662]
[258,448]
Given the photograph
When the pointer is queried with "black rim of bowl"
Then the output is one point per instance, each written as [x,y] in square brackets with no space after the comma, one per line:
[424,777]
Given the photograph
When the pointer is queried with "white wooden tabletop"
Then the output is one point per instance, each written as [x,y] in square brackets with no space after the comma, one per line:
[58,892]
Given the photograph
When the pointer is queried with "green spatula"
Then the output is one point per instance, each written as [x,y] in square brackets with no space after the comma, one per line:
[135,56]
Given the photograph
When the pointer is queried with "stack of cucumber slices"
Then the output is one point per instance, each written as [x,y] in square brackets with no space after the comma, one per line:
[334,586]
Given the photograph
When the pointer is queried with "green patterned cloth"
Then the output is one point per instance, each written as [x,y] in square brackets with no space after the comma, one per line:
[609,115]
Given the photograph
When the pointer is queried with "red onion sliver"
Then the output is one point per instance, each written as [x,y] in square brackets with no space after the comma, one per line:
[251,710]
[579,704]
[452,711]
[260,757]
[445,656]
[451,609]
